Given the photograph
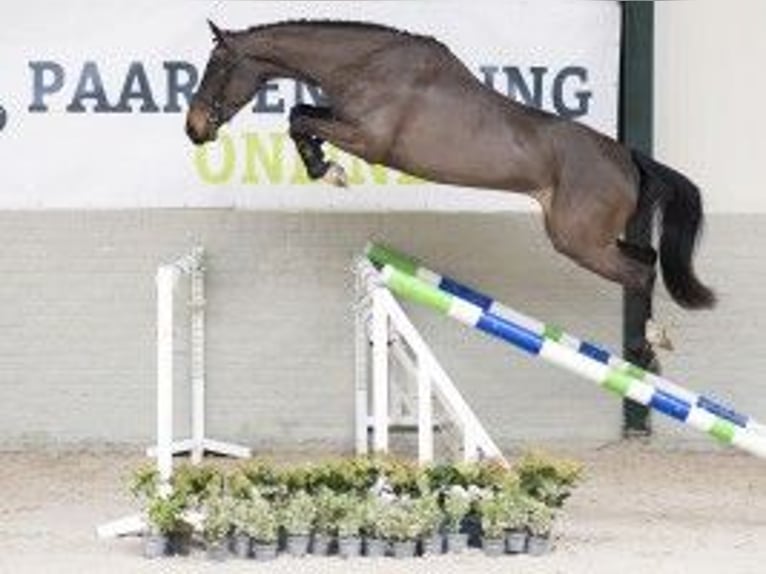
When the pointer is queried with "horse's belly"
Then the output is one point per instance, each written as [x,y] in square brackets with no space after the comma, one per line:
[475,161]
[459,135]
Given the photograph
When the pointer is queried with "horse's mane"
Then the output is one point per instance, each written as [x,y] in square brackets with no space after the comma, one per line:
[348,24]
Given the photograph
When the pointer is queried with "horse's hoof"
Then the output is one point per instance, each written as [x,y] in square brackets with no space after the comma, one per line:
[336,175]
[657,336]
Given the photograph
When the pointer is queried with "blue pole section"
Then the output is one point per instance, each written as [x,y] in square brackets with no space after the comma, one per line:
[382,255]
[609,378]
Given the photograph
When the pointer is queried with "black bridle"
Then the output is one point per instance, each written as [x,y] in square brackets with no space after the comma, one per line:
[214,102]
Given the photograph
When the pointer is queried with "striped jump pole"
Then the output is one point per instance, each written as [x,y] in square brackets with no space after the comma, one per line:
[382,255]
[555,348]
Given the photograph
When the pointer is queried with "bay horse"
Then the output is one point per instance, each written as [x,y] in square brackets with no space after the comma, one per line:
[405,101]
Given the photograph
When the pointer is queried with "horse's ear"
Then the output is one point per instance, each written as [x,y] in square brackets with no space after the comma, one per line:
[218,34]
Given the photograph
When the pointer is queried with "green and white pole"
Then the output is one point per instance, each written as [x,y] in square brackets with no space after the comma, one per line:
[411,287]
[382,255]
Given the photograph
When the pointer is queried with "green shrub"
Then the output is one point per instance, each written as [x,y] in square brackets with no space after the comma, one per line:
[493,514]
[260,520]
[398,520]
[546,479]
[218,518]
[540,519]
[297,513]
[428,514]
[165,514]
[351,515]
[457,504]
[376,496]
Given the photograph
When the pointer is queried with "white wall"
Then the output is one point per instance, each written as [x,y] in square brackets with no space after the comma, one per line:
[77,324]
[709,87]
[709,123]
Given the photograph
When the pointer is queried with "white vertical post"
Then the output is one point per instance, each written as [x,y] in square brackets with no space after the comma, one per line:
[166,279]
[361,369]
[197,345]
[470,443]
[425,415]
[379,372]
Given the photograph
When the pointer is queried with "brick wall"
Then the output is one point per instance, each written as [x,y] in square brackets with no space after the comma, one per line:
[77,327]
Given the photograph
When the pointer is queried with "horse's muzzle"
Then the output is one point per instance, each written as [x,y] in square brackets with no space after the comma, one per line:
[199,128]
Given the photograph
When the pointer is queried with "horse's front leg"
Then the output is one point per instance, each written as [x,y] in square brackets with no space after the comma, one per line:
[308,145]
[310,127]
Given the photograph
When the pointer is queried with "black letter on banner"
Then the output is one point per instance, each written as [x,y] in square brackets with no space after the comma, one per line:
[582,96]
[136,86]
[489,75]
[179,85]
[262,104]
[315,95]
[90,87]
[518,86]
[41,88]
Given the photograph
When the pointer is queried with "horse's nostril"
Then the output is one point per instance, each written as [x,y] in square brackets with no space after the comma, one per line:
[192,133]
[197,127]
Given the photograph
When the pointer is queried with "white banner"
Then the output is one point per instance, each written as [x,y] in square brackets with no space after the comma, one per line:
[93,98]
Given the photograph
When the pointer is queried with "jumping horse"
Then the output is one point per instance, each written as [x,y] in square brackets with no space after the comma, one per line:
[405,101]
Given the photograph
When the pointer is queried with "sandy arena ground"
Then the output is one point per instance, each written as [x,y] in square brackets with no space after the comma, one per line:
[641,510]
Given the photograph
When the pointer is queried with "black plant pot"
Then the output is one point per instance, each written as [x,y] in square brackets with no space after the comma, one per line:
[217,551]
[404,549]
[297,545]
[493,546]
[457,542]
[322,544]
[155,545]
[179,543]
[516,541]
[265,551]
[433,545]
[241,545]
[349,546]
[375,547]
[539,545]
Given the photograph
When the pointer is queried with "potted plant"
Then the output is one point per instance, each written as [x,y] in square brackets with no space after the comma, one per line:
[161,517]
[296,516]
[430,519]
[350,519]
[241,542]
[168,529]
[539,523]
[325,523]
[492,512]
[546,479]
[216,525]
[262,527]
[373,514]
[144,486]
[399,526]
[241,491]
[457,504]
[516,511]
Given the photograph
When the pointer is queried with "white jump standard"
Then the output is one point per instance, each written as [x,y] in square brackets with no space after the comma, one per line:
[525,333]
[384,332]
[167,280]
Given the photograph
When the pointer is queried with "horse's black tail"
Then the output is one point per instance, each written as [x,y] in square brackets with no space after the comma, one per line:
[680,204]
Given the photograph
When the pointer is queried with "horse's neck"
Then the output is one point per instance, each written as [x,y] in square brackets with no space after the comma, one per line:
[315,51]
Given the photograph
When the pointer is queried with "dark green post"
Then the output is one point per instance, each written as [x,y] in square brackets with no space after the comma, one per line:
[636,116]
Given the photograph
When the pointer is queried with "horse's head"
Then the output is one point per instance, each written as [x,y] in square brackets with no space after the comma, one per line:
[229,82]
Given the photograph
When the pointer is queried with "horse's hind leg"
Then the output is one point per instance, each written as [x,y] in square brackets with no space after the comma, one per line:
[592,240]
[611,262]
